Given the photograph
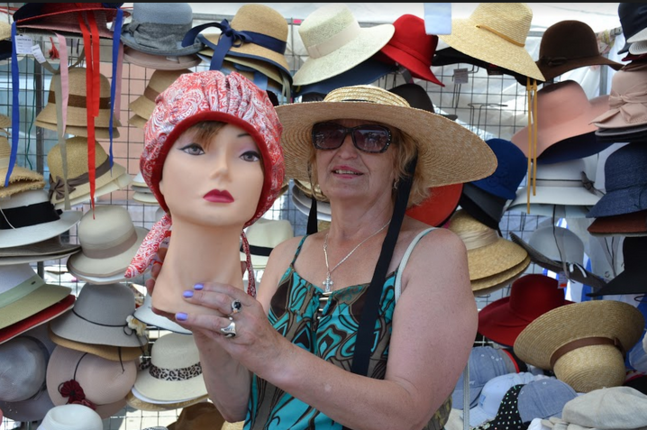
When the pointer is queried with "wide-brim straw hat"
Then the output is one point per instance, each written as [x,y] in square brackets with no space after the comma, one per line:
[112,353]
[136,400]
[158,82]
[21,178]
[488,253]
[160,62]
[454,155]
[46,221]
[549,342]
[336,43]
[488,285]
[496,33]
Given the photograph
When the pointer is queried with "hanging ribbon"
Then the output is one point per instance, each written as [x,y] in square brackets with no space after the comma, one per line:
[531,91]
[117,65]
[15,111]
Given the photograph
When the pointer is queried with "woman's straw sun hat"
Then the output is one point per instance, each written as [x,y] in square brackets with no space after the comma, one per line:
[448,153]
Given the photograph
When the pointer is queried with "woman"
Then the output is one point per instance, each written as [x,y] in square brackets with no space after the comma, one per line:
[359,146]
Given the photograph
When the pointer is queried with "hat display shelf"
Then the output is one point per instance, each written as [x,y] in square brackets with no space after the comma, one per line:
[488,99]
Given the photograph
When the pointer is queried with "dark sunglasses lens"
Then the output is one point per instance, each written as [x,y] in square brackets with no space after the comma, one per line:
[327,135]
[372,138]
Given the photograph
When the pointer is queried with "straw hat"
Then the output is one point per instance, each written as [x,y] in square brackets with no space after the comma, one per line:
[158,82]
[137,121]
[109,241]
[583,343]
[107,180]
[135,400]
[263,236]
[158,62]
[43,222]
[496,33]
[5,121]
[109,352]
[77,105]
[21,179]
[336,43]
[175,373]
[454,155]
[100,317]
[488,254]
[490,284]
[202,416]
[71,417]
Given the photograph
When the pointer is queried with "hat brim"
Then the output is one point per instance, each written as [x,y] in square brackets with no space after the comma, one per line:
[448,153]
[99,132]
[439,206]
[39,232]
[572,148]
[159,62]
[368,42]
[559,196]
[323,207]
[495,258]
[41,298]
[159,390]
[575,63]
[627,282]
[137,121]
[19,187]
[484,45]
[413,64]
[142,404]
[619,202]
[33,409]
[491,284]
[129,40]
[142,106]
[145,198]
[305,209]
[112,353]
[5,261]
[632,224]
[45,248]
[145,314]
[105,184]
[45,315]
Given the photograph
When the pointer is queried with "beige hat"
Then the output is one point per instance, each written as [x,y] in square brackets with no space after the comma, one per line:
[5,121]
[158,82]
[496,33]
[137,121]
[583,343]
[263,236]
[106,180]
[490,284]
[109,352]
[21,179]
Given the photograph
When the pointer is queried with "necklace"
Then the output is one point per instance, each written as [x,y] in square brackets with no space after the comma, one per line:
[328,283]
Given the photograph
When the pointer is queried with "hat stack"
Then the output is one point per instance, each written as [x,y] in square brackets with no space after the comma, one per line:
[493,261]
[633,19]
[155,34]
[142,193]
[633,279]
[263,236]
[21,178]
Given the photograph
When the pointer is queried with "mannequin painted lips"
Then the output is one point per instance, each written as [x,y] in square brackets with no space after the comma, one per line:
[217,196]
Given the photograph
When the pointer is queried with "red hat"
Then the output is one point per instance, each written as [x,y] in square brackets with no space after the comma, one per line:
[412,48]
[531,296]
[436,209]
[47,314]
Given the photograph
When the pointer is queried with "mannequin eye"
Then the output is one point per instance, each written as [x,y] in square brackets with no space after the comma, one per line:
[251,156]
[193,149]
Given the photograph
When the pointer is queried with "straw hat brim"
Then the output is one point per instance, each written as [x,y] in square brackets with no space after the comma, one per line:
[19,186]
[105,184]
[169,391]
[99,132]
[598,318]
[484,45]
[142,106]
[39,232]
[143,405]
[41,298]
[112,353]
[137,121]
[305,209]
[367,43]
[448,153]
[495,258]
[490,284]
[76,117]
[81,264]
[5,121]
[159,62]
[20,174]
[145,314]
[145,198]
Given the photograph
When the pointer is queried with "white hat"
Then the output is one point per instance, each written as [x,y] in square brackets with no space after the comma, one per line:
[71,417]
[263,236]
[145,314]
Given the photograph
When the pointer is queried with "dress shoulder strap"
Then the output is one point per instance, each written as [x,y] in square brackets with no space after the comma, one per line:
[296,253]
[405,257]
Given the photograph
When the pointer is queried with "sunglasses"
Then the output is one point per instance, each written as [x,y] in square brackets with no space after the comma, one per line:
[370,138]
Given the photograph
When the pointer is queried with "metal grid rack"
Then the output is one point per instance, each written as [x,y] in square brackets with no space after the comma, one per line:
[480,111]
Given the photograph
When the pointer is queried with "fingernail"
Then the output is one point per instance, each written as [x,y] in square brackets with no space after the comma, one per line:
[198,286]
[180,316]
[188,294]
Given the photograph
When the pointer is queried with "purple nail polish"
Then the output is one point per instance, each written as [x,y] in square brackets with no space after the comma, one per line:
[180,316]
[188,294]
[198,286]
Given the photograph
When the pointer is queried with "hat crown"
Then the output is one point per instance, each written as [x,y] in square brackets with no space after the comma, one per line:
[269,232]
[567,40]
[24,198]
[625,168]
[325,23]
[535,294]
[77,83]
[163,13]
[71,417]
[410,37]
[22,368]
[544,397]
[106,227]
[510,171]
[262,19]
[175,351]
[76,149]
[365,94]
[108,304]
[463,222]
[626,82]
[509,19]
[162,79]
[558,243]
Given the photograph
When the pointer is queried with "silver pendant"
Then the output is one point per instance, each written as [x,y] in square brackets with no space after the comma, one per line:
[328,283]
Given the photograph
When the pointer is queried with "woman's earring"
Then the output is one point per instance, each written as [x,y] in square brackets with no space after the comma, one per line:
[395,184]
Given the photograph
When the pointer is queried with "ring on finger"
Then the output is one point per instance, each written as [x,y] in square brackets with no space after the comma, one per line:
[230,330]
[236,306]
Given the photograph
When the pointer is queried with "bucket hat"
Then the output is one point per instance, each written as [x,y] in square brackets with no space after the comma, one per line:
[25,293]
[563,111]
[633,19]
[21,178]
[158,62]
[633,279]
[583,343]
[568,45]
[412,48]
[530,296]
[263,236]
[625,182]
[202,416]
[510,171]
[36,320]
[107,178]
[158,82]
[71,417]
[496,33]
[48,249]
[145,314]
[174,373]
[109,241]
[335,43]
[239,102]
[159,28]
[627,100]
[100,317]
[104,383]
[454,155]
[43,221]
[631,224]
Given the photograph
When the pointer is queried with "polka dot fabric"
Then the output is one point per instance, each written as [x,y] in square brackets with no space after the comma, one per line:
[507,417]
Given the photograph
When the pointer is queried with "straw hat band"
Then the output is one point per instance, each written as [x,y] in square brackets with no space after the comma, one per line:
[581,343]
[335,42]
[105,250]
[25,216]
[151,94]
[478,239]
[501,35]
[79,101]
[58,185]
[182,374]
[21,290]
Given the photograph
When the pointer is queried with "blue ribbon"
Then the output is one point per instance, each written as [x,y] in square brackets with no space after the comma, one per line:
[229,38]
[15,111]
[116,40]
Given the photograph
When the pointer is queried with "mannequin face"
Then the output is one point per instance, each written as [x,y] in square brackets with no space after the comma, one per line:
[215,182]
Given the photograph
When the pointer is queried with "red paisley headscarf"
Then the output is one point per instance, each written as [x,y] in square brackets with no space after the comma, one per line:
[208,96]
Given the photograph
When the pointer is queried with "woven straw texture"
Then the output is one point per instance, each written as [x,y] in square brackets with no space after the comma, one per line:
[490,284]
[447,152]
[5,121]
[333,47]
[99,132]
[260,65]
[494,257]
[512,20]
[21,179]
[159,81]
[137,121]
[584,366]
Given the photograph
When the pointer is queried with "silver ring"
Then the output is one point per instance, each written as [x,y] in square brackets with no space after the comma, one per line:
[236,306]
[230,330]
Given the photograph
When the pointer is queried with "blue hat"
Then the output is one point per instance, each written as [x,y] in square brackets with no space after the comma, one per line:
[572,148]
[485,363]
[633,19]
[510,171]
[544,398]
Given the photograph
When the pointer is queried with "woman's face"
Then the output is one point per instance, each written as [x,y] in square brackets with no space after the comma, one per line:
[213,183]
[350,172]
